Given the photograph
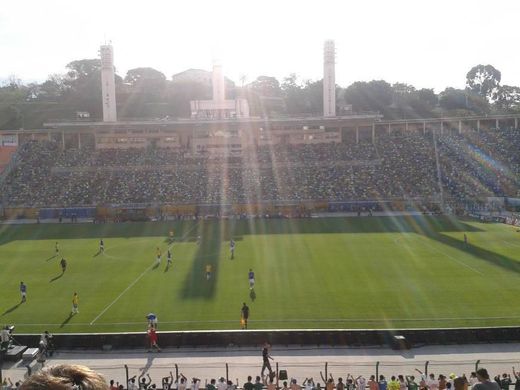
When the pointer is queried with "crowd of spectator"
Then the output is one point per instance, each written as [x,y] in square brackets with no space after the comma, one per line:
[80,377]
[397,166]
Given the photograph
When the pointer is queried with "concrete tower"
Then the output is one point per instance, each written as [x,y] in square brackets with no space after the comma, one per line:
[329,79]
[219,88]
[108,84]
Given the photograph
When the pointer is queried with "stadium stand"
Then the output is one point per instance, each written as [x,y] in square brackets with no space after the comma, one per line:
[469,166]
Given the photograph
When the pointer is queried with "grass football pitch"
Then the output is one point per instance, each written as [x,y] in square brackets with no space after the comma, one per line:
[372,272]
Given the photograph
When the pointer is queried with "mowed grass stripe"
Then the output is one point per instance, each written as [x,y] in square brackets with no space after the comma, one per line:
[337,272]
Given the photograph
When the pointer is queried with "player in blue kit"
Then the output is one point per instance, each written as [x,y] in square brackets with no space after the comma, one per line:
[23,291]
[251,277]
[169,258]
[232,248]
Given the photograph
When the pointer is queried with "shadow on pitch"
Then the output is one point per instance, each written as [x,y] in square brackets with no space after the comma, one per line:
[196,286]
[11,309]
[56,277]
[486,255]
[384,224]
[49,231]
[66,320]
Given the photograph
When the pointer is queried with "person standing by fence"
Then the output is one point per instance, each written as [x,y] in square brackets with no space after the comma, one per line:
[265,357]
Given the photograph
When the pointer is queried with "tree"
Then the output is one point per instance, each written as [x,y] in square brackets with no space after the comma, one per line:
[375,95]
[266,86]
[508,97]
[83,86]
[294,94]
[264,96]
[314,97]
[428,97]
[403,89]
[137,76]
[145,86]
[484,80]
[52,89]
[453,99]
[458,99]
[179,93]
[81,70]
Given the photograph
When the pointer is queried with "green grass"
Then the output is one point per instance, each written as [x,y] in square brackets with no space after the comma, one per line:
[388,272]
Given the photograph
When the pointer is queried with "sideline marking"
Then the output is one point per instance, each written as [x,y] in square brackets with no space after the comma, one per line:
[510,243]
[332,320]
[137,279]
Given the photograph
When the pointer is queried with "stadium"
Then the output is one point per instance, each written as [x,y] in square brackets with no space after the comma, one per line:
[344,228]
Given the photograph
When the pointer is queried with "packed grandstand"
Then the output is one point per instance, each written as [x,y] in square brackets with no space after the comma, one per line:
[461,168]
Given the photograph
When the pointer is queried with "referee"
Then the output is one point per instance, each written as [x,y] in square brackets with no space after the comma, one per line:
[244,315]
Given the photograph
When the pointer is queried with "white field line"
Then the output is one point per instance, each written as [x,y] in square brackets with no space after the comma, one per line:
[510,243]
[451,257]
[122,293]
[323,320]
[136,280]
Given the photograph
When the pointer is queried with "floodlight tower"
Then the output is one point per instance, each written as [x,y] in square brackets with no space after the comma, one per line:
[329,79]
[108,84]
[219,88]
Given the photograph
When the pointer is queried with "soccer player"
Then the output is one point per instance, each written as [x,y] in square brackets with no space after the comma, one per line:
[101,246]
[56,249]
[152,320]
[465,240]
[198,240]
[23,291]
[152,336]
[171,235]
[232,248]
[159,255]
[63,264]
[244,315]
[75,304]
[208,271]
[251,277]
[169,258]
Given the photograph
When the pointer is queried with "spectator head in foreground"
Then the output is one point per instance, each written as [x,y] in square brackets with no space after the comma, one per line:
[65,377]
[482,375]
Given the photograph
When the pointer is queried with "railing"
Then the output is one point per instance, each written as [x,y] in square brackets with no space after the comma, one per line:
[237,372]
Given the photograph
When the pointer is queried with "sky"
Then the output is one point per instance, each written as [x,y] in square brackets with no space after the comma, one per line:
[425,43]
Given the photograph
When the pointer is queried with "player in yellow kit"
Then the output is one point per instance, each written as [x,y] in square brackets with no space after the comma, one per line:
[75,303]
[208,271]
[158,255]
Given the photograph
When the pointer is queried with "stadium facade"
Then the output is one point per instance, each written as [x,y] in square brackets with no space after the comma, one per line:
[222,129]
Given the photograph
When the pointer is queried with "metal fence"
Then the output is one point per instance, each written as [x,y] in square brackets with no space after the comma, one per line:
[237,372]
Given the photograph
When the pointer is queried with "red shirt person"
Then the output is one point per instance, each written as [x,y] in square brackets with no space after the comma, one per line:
[152,337]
